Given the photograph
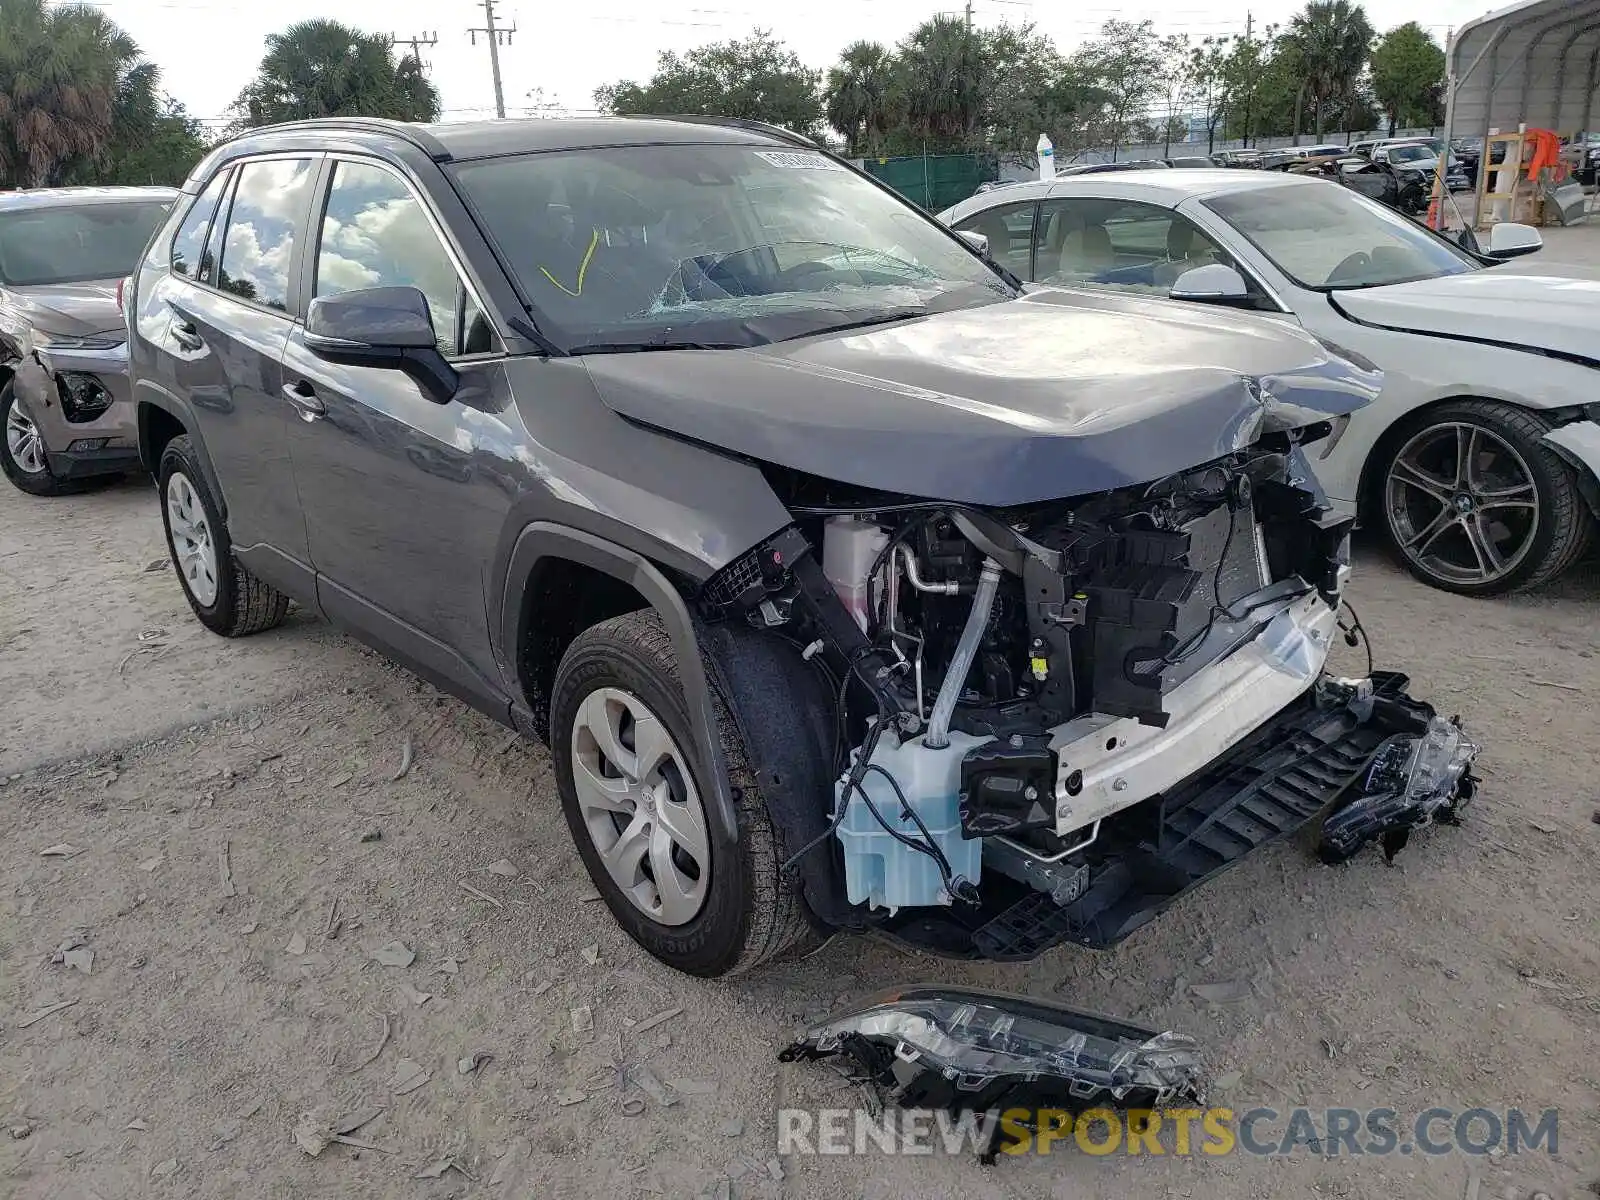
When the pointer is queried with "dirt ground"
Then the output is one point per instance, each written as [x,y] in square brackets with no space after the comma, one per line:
[219,824]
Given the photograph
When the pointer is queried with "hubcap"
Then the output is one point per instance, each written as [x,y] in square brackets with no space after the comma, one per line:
[1462,503]
[640,806]
[23,441]
[190,535]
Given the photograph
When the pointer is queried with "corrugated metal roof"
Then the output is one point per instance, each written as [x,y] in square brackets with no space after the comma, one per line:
[1533,63]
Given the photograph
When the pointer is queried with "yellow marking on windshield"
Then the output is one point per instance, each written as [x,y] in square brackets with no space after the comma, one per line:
[583,267]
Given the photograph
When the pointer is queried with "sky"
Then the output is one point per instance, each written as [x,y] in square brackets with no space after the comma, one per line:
[208,49]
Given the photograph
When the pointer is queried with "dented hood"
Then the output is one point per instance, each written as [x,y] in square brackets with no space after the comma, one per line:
[73,309]
[1056,394]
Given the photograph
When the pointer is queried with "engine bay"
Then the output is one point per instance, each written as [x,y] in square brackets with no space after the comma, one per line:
[1020,695]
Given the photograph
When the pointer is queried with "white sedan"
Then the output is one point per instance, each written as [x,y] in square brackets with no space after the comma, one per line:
[1480,460]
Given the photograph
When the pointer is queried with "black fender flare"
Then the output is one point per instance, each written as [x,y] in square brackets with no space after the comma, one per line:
[543,539]
[182,412]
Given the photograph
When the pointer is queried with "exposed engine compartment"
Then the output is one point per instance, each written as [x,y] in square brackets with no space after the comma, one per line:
[1007,681]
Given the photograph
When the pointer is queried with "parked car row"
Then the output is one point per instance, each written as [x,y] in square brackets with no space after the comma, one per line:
[856,581]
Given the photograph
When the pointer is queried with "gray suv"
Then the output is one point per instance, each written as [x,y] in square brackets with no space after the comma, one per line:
[63,364]
[853,585]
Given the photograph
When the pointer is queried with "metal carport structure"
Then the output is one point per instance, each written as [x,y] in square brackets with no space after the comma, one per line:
[1531,64]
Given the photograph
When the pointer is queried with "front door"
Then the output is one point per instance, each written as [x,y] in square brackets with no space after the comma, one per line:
[401,519]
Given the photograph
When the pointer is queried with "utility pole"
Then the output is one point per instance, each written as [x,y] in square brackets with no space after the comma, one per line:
[969,16]
[494,33]
[416,42]
[1250,93]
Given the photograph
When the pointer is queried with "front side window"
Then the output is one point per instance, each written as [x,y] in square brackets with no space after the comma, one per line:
[269,208]
[1009,229]
[76,243]
[376,234]
[1120,244]
[659,246]
[1329,238]
[188,245]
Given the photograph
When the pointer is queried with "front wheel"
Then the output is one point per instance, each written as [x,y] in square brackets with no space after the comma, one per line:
[635,796]
[22,452]
[1476,503]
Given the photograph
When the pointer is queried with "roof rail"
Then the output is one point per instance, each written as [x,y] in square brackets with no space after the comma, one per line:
[776,131]
[404,130]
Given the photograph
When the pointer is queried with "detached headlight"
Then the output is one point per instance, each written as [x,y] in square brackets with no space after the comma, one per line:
[58,341]
[83,396]
[961,1047]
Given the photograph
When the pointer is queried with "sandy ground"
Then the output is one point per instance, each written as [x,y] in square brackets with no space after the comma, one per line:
[240,852]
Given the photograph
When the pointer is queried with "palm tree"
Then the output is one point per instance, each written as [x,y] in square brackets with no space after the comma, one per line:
[941,82]
[63,71]
[321,68]
[857,96]
[1331,40]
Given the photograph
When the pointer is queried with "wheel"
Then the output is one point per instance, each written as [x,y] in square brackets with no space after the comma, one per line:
[634,793]
[224,595]
[22,452]
[1475,503]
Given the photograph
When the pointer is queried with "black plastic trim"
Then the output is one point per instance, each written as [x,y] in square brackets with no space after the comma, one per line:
[543,539]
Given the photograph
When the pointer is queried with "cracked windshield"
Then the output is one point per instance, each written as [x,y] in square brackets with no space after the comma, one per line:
[648,247]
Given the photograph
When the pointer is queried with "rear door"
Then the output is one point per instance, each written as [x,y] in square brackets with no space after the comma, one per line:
[220,319]
[402,514]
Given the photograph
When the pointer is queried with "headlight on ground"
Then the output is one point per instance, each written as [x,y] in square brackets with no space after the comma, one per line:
[83,397]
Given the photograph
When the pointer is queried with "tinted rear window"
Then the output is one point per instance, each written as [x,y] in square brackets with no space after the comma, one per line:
[75,244]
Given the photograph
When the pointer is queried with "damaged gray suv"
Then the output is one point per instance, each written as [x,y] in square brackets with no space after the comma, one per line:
[853,585]
[63,365]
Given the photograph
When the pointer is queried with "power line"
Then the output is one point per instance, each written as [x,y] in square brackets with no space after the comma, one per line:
[416,42]
[493,34]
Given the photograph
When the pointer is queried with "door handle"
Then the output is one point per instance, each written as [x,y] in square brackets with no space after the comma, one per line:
[304,398]
[185,334]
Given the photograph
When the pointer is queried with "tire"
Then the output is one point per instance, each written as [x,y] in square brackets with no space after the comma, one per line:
[748,915]
[229,600]
[1517,522]
[35,481]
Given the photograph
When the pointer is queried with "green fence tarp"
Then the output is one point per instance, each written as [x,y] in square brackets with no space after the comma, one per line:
[936,181]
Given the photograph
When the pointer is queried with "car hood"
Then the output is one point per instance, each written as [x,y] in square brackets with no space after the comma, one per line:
[1058,393]
[1527,312]
[73,309]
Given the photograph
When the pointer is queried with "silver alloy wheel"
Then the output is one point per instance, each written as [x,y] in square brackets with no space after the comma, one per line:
[190,535]
[24,442]
[640,805]
[1462,503]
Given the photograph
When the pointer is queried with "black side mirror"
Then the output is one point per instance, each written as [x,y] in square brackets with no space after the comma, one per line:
[382,327]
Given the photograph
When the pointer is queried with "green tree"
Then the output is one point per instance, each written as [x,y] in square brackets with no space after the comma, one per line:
[1209,84]
[1124,62]
[757,78]
[321,68]
[1247,71]
[1408,76]
[63,71]
[1172,90]
[1330,41]
[856,97]
[1033,90]
[942,83]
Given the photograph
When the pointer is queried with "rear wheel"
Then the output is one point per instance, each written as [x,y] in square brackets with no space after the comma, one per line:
[1476,503]
[224,595]
[22,453]
[636,798]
